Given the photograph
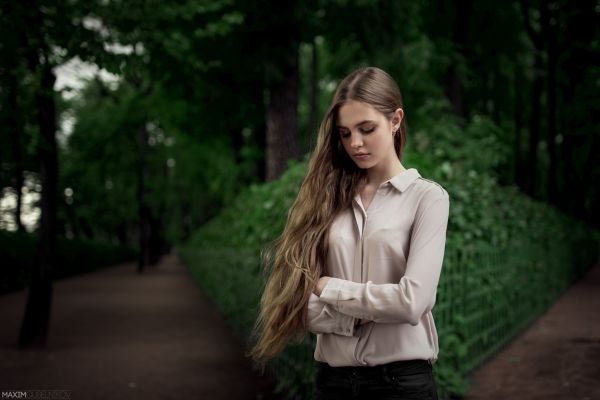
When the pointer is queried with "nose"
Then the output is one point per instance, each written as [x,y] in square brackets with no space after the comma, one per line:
[356,140]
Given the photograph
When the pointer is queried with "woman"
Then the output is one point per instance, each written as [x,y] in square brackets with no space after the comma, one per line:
[360,257]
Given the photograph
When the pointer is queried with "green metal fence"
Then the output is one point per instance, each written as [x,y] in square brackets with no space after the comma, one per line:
[486,297]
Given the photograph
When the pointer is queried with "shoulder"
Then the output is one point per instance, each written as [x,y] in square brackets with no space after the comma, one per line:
[433,200]
[429,195]
[430,190]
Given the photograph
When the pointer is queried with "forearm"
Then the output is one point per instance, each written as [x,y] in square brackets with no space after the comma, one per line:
[404,302]
[323,318]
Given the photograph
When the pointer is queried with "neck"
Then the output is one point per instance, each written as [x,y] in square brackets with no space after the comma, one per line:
[379,174]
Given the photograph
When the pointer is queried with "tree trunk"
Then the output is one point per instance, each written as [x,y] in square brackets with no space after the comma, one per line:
[551,135]
[34,329]
[590,215]
[261,142]
[537,38]
[237,144]
[15,121]
[282,120]
[313,99]
[454,84]
[143,210]
[518,125]
[534,126]
[454,91]
[157,243]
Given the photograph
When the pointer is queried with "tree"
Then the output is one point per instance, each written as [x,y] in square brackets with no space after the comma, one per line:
[47,35]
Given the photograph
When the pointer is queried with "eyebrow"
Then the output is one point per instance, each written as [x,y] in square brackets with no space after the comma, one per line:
[360,123]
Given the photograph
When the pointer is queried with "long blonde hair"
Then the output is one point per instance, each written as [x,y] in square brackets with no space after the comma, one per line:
[298,257]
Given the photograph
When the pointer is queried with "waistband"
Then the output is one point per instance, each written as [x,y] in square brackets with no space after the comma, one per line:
[403,365]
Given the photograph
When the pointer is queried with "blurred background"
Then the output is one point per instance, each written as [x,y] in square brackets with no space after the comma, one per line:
[150,150]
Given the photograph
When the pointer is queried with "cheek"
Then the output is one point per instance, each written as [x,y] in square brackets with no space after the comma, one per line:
[381,141]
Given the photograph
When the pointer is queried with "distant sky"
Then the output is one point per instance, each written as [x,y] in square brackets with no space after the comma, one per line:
[73,73]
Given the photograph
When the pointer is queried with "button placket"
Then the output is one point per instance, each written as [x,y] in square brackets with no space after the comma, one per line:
[362,249]
[358,213]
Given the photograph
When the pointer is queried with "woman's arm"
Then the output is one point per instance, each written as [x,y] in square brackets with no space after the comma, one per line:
[406,301]
[323,318]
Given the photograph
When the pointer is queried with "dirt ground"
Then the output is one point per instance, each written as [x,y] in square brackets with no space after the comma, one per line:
[118,335]
[557,358]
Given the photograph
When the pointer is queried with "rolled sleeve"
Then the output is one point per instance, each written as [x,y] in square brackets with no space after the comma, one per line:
[324,318]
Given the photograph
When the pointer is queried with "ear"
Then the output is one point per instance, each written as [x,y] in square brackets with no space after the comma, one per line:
[398,117]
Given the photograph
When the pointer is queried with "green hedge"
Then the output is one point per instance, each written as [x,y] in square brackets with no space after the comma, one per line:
[507,259]
[73,257]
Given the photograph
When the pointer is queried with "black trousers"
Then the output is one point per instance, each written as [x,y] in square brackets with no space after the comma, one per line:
[406,380]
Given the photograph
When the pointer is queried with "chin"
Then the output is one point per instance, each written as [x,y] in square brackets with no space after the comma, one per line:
[363,165]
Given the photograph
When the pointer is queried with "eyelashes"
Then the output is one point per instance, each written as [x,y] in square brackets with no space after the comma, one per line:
[365,131]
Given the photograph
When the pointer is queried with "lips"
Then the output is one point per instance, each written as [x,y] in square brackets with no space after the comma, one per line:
[361,155]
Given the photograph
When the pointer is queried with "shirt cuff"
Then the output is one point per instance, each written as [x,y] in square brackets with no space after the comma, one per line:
[328,319]
[332,293]
[345,324]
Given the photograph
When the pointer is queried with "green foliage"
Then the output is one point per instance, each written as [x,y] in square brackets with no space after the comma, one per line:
[98,159]
[442,138]
[502,251]
[187,180]
[264,209]
[195,75]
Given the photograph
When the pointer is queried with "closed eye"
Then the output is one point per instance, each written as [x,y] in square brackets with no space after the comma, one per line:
[346,134]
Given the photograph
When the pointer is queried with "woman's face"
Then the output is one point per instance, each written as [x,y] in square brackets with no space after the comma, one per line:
[366,134]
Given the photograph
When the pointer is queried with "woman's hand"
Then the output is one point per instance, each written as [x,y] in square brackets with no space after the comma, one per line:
[321,285]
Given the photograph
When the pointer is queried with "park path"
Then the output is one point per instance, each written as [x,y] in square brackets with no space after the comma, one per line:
[556,358]
[119,335]
[116,335]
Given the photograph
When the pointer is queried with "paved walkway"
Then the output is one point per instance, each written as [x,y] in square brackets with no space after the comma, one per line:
[119,335]
[557,358]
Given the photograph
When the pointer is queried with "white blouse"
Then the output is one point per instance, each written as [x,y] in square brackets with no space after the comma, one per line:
[385,263]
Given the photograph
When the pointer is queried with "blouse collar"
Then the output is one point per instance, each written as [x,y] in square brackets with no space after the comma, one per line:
[404,179]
